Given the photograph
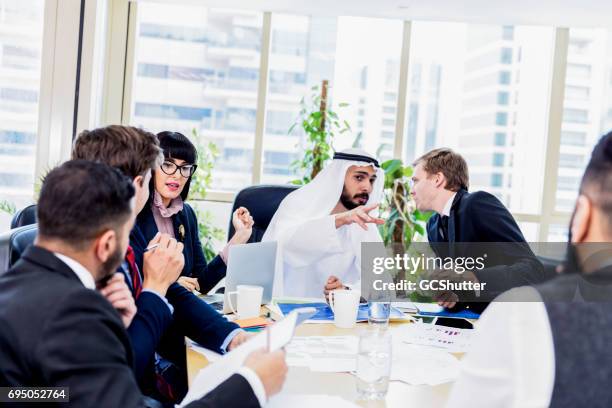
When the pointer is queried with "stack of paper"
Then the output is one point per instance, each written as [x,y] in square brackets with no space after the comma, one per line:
[448,338]
[323,353]
[275,337]
[210,355]
[308,401]
[418,365]
[410,364]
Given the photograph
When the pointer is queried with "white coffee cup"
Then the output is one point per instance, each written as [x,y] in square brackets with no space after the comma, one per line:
[248,301]
[345,305]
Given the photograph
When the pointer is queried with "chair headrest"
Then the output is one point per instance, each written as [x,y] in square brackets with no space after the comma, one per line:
[262,201]
[13,243]
[25,216]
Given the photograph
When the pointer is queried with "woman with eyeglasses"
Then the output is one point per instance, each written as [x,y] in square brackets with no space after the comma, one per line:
[167,212]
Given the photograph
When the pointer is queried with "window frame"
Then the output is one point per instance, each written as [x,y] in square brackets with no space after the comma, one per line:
[120,67]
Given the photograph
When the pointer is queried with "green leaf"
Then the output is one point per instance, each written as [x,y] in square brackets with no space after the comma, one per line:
[419,228]
[390,166]
[343,104]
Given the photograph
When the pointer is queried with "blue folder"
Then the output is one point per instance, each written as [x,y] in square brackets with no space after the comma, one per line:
[324,312]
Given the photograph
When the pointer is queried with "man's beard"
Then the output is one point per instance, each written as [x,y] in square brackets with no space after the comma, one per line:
[109,267]
[349,203]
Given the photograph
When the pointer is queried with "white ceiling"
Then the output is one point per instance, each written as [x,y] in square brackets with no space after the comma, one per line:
[561,13]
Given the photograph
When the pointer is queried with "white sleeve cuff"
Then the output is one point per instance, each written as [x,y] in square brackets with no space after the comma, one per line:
[255,383]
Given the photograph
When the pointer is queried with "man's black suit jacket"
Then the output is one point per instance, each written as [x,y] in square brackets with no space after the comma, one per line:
[481,217]
[57,333]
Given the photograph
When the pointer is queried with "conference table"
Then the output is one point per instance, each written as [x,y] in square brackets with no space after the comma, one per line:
[300,380]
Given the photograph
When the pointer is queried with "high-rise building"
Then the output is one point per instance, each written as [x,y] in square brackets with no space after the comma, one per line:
[20,56]
[587,108]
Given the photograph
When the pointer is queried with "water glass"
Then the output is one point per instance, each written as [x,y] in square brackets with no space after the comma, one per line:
[378,313]
[373,365]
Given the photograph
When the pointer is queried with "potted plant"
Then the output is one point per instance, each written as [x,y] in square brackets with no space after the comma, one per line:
[320,125]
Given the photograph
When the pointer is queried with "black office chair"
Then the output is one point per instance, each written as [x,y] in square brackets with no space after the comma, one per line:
[25,216]
[262,202]
[13,243]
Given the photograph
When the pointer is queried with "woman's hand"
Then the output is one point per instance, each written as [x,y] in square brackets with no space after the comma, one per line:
[188,283]
[243,224]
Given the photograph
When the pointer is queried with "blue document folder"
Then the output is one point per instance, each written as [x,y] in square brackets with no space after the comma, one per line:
[324,312]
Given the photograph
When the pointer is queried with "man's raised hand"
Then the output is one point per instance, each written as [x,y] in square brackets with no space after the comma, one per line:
[359,215]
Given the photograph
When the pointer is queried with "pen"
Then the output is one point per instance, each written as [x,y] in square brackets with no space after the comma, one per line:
[151,247]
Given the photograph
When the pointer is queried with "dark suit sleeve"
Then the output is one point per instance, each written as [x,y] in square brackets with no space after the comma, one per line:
[84,347]
[494,223]
[208,274]
[197,320]
[149,324]
[233,392]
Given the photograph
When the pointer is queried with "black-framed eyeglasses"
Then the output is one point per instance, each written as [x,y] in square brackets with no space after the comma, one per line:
[186,170]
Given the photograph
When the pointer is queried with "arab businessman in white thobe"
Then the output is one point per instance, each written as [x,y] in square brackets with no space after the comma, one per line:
[320,226]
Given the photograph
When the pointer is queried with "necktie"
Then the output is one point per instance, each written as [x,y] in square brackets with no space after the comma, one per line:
[444,227]
[135,275]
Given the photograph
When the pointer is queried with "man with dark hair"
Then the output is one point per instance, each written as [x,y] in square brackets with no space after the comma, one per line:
[440,183]
[57,330]
[549,345]
[167,312]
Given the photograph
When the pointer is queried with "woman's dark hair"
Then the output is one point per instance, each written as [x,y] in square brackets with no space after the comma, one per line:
[176,145]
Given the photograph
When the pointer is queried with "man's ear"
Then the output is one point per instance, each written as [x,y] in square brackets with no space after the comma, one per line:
[106,245]
[581,219]
[138,181]
[439,179]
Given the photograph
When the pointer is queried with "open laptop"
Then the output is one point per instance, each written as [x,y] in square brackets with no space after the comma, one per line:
[251,264]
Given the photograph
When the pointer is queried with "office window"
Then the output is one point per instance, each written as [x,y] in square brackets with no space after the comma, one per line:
[576,93]
[496,180]
[588,99]
[571,160]
[504,77]
[506,55]
[508,33]
[376,45]
[575,115]
[197,68]
[20,57]
[503,98]
[388,123]
[500,139]
[305,59]
[474,81]
[569,138]
[577,70]
[501,118]
[498,159]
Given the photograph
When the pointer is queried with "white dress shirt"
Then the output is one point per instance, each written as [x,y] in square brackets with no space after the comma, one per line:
[88,281]
[79,270]
[511,362]
[448,205]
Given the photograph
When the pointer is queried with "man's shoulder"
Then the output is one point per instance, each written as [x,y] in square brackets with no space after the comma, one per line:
[33,298]
[478,197]
[481,202]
